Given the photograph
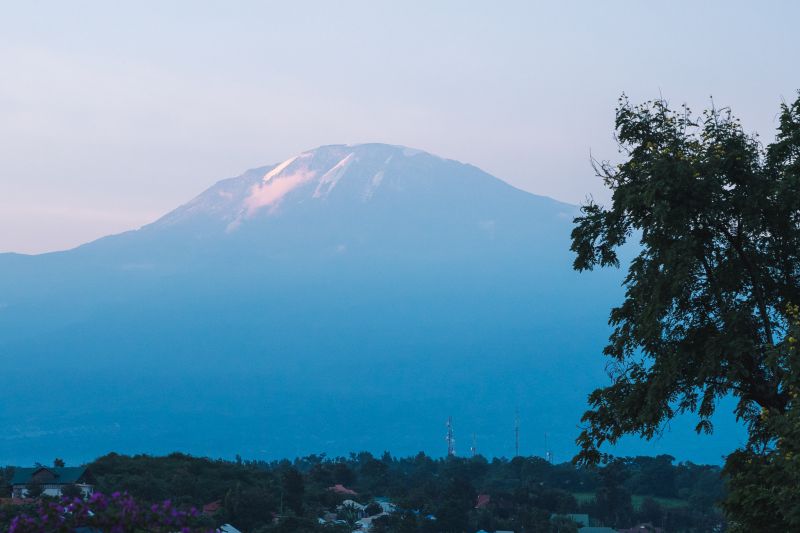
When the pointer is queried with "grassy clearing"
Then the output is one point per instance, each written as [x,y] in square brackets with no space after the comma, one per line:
[637,499]
[667,503]
[584,497]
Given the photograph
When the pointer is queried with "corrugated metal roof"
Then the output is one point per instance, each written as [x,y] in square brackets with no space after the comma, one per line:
[64,475]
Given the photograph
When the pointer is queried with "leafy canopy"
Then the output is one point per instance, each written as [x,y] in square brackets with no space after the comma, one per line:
[763,482]
[717,220]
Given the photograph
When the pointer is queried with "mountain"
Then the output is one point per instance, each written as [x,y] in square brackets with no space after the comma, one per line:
[349,298]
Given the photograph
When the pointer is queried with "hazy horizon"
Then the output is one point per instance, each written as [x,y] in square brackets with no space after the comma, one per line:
[351,298]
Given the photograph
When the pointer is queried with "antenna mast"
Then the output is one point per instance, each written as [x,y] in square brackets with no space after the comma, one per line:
[516,434]
[474,448]
[548,455]
[451,442]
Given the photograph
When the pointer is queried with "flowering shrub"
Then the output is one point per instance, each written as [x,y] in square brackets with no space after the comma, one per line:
[118,513]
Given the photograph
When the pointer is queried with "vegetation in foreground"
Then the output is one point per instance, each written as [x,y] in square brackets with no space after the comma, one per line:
[710,304]
[435,495]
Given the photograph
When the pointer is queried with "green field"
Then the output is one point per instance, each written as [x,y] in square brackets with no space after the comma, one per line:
[668,503]
[583,497]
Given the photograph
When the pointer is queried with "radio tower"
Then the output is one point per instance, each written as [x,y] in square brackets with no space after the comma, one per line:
[451,442]
[474,448]
[516,434]
[548,454]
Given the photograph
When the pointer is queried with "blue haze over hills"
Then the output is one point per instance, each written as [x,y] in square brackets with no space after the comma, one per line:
[350,298]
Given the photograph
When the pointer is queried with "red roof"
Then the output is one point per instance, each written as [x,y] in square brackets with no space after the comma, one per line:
[341,489]
[212,508]
[483,501]
[16,501]
[642,528]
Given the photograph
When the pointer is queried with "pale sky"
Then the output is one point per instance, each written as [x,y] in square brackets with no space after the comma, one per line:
[113,113]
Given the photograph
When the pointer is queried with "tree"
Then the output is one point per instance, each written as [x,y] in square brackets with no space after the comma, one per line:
[72,491]
[763,483]
[653,475]
[34,490]
[293,490]
[372,509]
[613,503]
[458,498]
[6,475]
[717,219]
[58,462]
[118,512]
[563,524]
[374,474]
[385,524]
[350,514]
[651,511]
[248,507]
[342,473]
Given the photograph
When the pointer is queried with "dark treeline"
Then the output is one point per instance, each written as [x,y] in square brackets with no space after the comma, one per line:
[523,493]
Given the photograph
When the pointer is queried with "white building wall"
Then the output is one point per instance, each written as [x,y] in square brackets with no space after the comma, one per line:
[21,491]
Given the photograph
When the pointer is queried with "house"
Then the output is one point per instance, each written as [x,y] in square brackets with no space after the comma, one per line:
[16,501]
[352,509]
[341,489]
[52,480]
[578,518]
[365,524]
[642,528]
[483,501]
[386,506]
[210,509]
[352,504]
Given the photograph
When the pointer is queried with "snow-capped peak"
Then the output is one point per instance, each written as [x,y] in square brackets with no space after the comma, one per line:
[315,174]
[351,172]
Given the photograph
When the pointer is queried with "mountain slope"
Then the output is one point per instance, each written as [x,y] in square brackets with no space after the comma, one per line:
[351,297]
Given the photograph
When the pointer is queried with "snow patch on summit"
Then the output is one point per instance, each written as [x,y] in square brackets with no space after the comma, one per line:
[373,184]
[276,185]
[329,180]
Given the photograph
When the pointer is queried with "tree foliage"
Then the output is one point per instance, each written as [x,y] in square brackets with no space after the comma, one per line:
[715,220]
[524,492]
[118,512]
[763,482]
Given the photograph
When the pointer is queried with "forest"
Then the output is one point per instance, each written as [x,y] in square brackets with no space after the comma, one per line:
[451,494]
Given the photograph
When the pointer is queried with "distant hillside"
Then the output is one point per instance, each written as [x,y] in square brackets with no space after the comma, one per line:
[420,493]
[350,297]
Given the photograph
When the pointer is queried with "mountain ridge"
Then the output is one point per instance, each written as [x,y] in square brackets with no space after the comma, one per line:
[322,321]
[319,170]
[236,188]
